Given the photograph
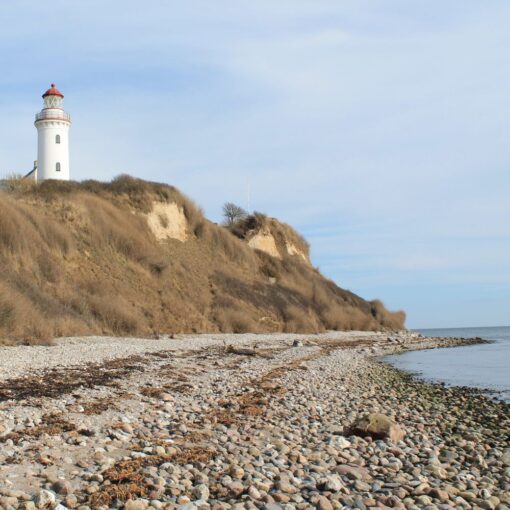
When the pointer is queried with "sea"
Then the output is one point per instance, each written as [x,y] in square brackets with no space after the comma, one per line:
[484,366]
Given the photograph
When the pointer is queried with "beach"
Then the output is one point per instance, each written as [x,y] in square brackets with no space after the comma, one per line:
[244,421]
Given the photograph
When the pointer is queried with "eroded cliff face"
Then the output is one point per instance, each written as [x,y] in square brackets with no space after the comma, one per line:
[264,241]
[272,237]
[136,258]
[167,220]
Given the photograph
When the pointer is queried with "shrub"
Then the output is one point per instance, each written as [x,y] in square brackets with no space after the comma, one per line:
[235,321]
[389,320]
[233,213]
[298,320]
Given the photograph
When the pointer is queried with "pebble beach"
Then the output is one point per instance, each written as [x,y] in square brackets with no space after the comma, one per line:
[244,422]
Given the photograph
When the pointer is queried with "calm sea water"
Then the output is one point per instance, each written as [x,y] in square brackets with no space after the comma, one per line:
[484,366]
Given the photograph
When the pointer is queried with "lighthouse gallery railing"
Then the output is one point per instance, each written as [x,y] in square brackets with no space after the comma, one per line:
[51,113]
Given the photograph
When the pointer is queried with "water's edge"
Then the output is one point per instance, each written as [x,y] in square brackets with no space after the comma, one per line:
[454,371]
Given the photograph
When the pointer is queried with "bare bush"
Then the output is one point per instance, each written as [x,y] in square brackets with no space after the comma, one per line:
[233,213]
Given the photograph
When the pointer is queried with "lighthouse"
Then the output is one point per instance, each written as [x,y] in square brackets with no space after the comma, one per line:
[52,124]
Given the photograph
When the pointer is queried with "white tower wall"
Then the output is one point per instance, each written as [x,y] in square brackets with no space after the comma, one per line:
[52,124]
[50,153]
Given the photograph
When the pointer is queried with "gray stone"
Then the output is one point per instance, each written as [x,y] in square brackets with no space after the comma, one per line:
[62,487]
[45,499]
[136,504]
[201,491]
[332,483]
[353,472]
[378,426]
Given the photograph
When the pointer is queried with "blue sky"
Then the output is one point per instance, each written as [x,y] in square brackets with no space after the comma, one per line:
[379,129]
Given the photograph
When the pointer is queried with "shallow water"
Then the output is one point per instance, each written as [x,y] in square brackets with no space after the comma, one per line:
[485,366]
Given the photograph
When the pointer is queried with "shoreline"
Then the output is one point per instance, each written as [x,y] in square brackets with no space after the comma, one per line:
[193,423]
[493,392]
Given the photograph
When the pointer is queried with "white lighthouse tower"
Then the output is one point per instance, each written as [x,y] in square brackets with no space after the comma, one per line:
[52,124]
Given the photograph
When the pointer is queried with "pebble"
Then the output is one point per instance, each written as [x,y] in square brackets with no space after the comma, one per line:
[62,487]
[322,503]
[45,499]
[201,492]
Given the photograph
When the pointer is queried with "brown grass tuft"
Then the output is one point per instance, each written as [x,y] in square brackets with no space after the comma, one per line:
[389,320]
[298,320]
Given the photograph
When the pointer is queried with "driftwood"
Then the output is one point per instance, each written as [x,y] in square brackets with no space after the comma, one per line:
[245,351]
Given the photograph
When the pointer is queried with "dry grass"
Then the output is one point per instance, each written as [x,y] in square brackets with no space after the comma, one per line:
[79,258]
[16,183]
[389,320]
[300,320]
[234,316]
[236,321]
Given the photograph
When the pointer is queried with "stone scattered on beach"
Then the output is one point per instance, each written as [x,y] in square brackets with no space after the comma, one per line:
[378,426]
[62,487]
[353,472]
[136,504]
[192,427]
[45,500]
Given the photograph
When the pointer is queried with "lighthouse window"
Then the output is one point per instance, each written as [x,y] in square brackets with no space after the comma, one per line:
[58,167]
[57,139]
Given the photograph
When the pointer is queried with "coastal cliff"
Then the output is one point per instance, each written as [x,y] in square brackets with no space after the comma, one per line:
[137,258]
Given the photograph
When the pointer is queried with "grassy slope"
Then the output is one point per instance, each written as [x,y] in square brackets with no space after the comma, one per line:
[78,258]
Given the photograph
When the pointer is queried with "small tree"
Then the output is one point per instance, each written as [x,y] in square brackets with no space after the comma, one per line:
[232,213]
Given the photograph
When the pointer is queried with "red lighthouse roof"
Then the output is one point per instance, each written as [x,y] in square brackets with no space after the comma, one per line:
[53,91]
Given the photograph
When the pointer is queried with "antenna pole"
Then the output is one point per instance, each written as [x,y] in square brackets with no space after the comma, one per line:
[249,194]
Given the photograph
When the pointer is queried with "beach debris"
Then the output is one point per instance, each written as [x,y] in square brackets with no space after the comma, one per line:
[243,351]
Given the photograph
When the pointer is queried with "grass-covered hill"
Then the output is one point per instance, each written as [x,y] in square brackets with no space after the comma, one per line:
[137,258]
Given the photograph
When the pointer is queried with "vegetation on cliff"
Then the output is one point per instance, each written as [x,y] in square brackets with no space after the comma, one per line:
[131,257]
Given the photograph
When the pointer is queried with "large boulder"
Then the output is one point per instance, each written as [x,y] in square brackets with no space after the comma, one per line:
[378,426]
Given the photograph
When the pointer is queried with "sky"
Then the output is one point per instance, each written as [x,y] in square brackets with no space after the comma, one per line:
[377,128]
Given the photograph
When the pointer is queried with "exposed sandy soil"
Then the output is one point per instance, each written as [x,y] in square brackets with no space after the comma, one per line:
[167,221]
[265,242]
